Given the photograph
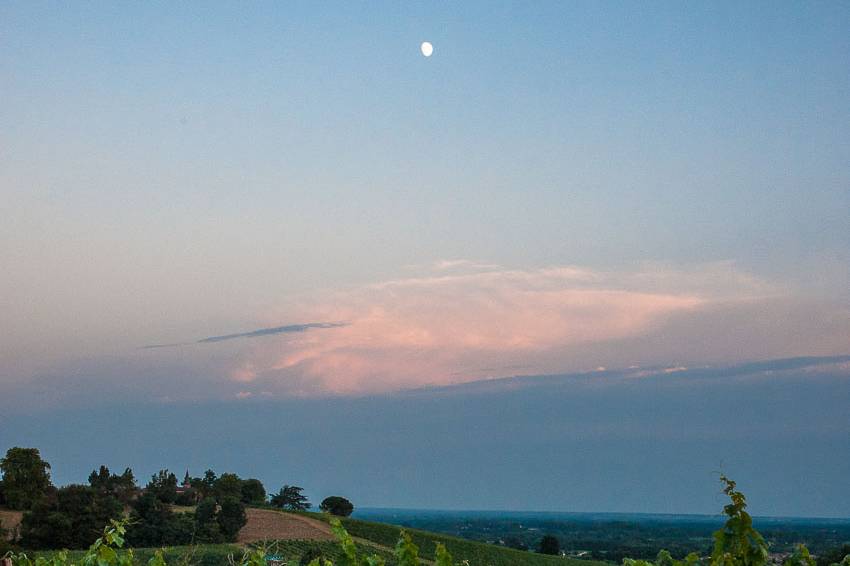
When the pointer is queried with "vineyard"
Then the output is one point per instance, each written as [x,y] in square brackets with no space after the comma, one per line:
[475,552]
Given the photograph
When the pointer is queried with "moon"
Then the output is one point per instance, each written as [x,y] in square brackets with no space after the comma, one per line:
[426,48]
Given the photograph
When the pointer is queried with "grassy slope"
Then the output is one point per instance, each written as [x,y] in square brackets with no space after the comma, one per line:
[477,553]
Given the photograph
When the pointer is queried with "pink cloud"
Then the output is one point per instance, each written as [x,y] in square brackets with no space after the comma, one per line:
[442,329]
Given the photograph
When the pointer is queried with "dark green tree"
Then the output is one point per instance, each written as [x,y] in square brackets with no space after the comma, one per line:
[549,545]
[163,485]
[253,492]
[228,485]
[290,497]
[206,484]
[336,505]
[122,487]
[231,517]
[100,480]
[74,520]
[153,523]
[206,526]
[26,477]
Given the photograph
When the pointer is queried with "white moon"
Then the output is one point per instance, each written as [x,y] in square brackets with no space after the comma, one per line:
[426,48]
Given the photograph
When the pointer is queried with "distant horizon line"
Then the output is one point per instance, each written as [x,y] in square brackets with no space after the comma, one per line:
[718,516]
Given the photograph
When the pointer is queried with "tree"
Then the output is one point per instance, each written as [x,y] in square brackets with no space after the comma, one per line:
[228,485]
[121,487]
[336,505]
[73,520]
[205,485]
[25,477]
[549,545]
[163,485]
[153,523]
[124,487]
[290,497]
[231,517]
[253,492]
[206,526]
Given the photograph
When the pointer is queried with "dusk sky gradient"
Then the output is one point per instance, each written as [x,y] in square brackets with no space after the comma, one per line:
[308,214]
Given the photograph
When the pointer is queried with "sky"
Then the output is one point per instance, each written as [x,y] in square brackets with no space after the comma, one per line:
[287,207]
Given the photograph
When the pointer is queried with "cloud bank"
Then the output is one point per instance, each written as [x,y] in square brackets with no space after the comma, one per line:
[457,322]
[443,328]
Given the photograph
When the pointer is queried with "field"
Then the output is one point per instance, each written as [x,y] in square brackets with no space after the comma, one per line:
[269,524]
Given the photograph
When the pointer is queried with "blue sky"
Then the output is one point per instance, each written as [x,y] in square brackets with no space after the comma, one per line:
[561,187]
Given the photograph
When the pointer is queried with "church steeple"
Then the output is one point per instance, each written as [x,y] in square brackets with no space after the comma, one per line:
[186,480]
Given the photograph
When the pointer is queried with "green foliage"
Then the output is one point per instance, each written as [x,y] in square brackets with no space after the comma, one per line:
[406,552]
[206,526]
[737,543]
[336,505]
[72,520]
[290,497]
[800,557]
[228,485]
[349,550]
[231,517]
[442,556]
[153,523]
[163,485]
[26,477]
[122,487]
[664,558]
[104,551]
[253,492]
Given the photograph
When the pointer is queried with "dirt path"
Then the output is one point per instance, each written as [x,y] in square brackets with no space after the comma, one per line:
[267,524]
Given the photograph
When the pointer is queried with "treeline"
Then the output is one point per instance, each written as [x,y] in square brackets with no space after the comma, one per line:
[736,543]
[206,509]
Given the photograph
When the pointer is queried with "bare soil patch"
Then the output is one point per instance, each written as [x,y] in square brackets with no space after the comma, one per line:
[266,524]
[10,520]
